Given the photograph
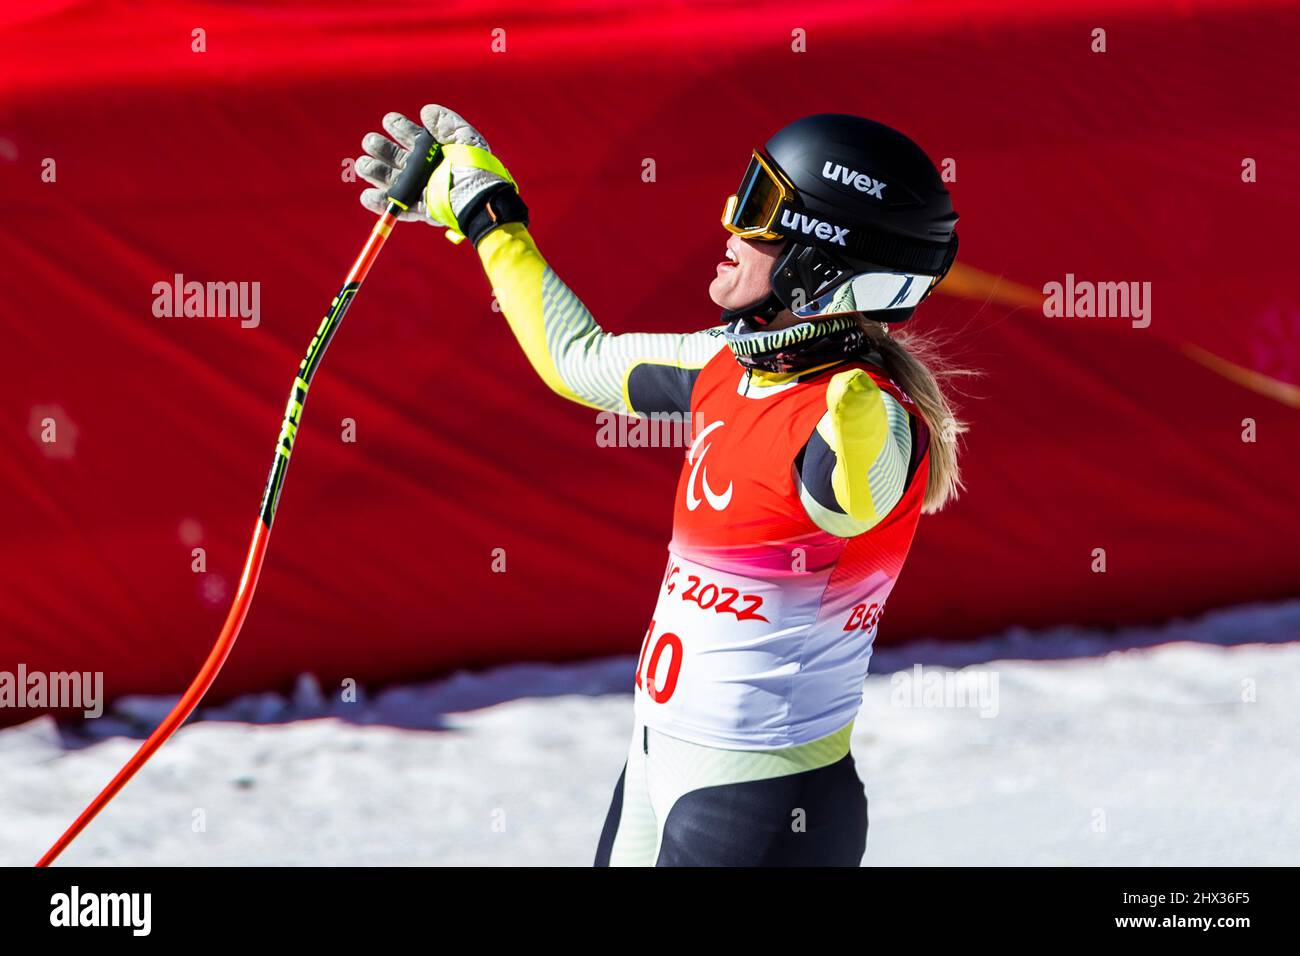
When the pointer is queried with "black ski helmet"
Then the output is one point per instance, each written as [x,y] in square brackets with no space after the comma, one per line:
[869,222]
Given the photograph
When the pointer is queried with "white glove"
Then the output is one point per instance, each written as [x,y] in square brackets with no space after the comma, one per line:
[386,157]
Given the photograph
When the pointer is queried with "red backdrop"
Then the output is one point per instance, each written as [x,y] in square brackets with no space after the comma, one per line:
[227,165]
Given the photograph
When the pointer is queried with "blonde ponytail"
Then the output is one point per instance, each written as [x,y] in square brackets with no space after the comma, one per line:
[912,361]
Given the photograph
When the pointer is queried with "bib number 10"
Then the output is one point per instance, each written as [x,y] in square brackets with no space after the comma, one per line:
[646,670]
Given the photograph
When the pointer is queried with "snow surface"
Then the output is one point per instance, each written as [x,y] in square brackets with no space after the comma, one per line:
[1176,745]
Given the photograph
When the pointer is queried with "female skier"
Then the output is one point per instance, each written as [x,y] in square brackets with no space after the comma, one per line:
[820,440]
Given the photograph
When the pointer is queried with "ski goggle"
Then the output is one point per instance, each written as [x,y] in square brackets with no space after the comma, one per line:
[751,212]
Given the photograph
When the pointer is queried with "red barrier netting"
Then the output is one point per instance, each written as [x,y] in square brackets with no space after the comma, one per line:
[228,165]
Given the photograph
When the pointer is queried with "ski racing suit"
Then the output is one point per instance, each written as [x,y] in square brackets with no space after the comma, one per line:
[794,512]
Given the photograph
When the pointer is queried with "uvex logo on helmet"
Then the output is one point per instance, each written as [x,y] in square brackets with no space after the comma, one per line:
[851,177]
[809,225]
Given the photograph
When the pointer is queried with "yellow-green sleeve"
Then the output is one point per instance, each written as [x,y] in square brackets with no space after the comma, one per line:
[856,462]
[573,355]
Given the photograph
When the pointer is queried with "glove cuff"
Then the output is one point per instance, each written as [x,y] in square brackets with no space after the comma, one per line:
[492,207]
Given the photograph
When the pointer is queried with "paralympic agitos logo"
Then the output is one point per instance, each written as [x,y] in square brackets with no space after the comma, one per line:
[717,500]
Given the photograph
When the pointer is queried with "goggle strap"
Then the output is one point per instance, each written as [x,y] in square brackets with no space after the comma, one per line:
[896,252]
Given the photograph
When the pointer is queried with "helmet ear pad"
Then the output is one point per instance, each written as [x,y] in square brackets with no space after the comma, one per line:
[805,272]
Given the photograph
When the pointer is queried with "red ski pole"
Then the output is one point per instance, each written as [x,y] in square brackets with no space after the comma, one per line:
[424,156]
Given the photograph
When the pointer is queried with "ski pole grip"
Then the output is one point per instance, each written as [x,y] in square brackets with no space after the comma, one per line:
[420,164]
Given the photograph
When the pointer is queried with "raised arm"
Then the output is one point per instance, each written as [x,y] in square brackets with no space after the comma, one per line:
[635,373]
[472,196]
